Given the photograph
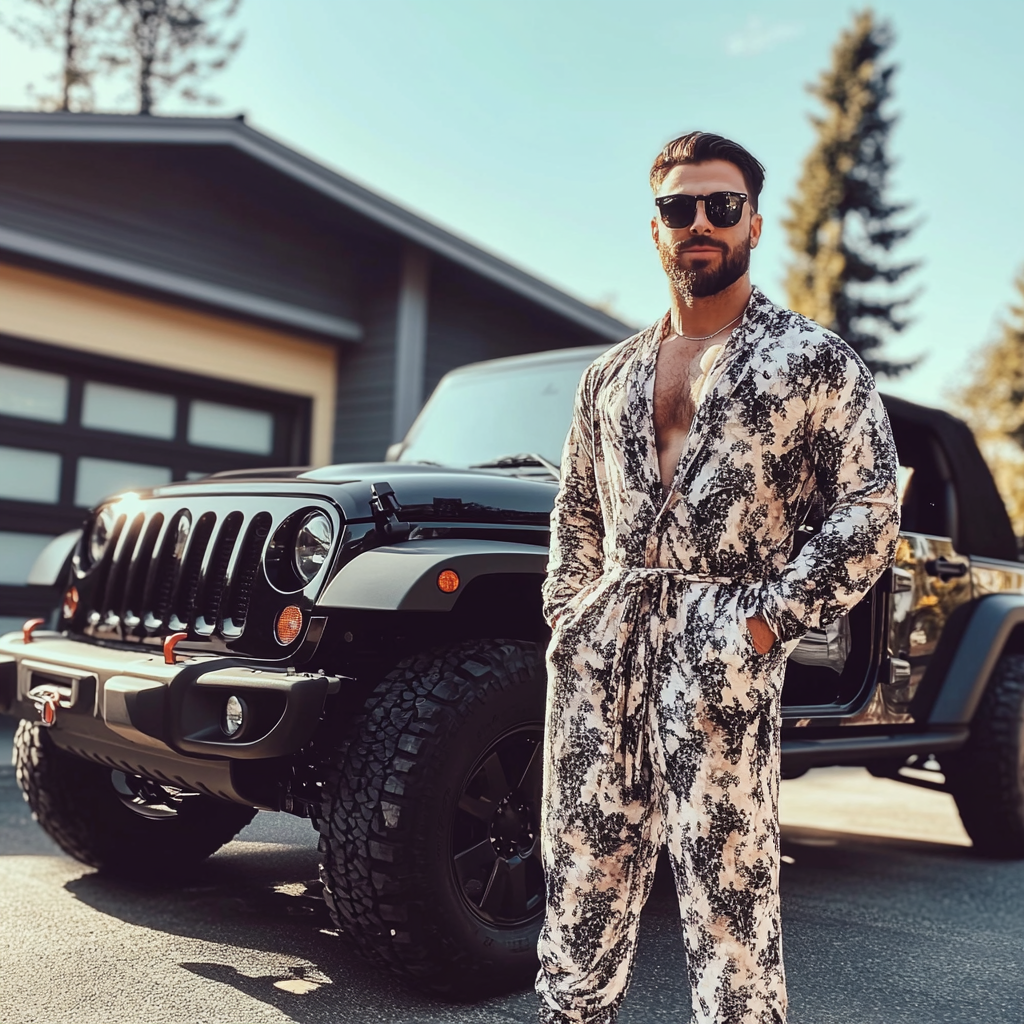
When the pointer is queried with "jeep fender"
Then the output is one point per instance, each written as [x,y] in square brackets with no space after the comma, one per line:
[51,563]
[403,577]
[982,644]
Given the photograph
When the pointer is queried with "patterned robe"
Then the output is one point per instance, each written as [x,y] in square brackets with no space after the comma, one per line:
[662,720]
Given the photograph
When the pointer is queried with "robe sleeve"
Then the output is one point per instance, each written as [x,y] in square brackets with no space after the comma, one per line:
[575,557]
[854,460]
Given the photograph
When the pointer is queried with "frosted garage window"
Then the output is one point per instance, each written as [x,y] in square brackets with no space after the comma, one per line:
[100,478]
[27,475]
[213,425]
[11,623]
[33,394]
[128,410]
[18,552]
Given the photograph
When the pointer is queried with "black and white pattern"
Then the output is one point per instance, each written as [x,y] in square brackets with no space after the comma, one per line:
[662,720]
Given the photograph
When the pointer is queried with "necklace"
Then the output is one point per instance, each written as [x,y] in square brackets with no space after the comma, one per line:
[707,337]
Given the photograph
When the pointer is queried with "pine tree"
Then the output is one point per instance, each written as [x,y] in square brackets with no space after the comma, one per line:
[993,404]
[175,45]
[841,226]
[78,31]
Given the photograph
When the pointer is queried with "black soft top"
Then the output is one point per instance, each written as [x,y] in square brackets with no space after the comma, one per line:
[982,526]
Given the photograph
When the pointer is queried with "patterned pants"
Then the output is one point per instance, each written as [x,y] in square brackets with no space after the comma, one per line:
[706,785]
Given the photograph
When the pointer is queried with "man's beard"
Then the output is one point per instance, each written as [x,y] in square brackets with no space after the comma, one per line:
[708,280]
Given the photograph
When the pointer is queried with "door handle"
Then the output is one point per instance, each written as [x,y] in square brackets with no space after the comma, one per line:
[945,569]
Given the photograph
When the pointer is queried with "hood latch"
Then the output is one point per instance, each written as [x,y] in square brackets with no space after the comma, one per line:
[384,508]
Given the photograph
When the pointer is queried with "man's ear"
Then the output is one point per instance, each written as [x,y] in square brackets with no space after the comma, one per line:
[756,222]
[654,229]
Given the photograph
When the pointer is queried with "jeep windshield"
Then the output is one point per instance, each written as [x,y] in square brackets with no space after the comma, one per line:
[508,414]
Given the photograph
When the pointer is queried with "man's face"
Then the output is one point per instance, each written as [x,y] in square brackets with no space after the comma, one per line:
[701,260]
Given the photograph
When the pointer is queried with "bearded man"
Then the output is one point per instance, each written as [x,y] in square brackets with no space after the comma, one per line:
[675,597]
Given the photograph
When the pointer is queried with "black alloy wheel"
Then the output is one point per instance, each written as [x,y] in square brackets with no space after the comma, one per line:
[496,831]
[429,826]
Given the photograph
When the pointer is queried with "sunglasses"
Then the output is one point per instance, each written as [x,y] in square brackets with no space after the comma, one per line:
[722,209]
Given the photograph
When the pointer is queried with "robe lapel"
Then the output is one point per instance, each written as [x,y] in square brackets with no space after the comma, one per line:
[642,472]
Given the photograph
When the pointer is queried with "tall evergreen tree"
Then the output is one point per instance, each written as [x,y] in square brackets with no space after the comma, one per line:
[993,404]
[841,226]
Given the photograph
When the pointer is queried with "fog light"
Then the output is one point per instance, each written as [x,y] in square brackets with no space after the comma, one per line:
[448,581]
[70,605]
[289,624]
[234,715]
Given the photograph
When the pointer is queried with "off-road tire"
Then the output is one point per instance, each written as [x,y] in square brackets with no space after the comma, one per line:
[389,810]
[986,777]
[77,805]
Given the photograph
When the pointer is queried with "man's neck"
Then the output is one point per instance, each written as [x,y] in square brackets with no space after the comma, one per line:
[697,318]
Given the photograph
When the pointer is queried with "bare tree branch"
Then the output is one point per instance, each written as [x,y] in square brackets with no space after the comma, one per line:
[175,46]
[77,32]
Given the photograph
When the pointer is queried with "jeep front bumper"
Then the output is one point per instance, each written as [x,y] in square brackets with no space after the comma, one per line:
[134,712]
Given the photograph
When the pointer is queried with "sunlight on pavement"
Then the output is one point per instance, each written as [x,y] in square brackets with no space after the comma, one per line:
[851,800]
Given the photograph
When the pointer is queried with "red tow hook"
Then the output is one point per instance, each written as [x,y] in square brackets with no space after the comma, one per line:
[46,700]
[29,628]
[169,644]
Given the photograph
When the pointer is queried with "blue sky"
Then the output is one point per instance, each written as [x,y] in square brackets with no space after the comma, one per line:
[529,128]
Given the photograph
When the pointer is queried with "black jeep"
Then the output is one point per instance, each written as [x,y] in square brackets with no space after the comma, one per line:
[363,645]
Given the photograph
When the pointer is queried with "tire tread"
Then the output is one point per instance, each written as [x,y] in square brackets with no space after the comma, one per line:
[374,782]
[986,777]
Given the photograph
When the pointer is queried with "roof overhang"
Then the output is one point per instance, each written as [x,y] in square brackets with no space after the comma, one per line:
[236,134]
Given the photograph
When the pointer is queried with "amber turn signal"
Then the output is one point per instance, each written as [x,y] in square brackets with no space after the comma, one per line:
[448,581]
[289,624]
[70,605]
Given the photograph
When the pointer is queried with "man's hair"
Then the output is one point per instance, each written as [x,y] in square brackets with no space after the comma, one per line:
[699,148]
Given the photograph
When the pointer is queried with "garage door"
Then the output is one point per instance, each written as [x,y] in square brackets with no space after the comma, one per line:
[74,429]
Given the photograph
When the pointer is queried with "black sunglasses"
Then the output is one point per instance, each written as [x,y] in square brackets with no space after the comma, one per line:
[722,209]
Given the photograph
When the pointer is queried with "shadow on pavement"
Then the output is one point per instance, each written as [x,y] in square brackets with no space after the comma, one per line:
[262,897]
[849,901]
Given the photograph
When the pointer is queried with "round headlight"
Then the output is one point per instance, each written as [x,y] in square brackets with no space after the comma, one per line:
[99,536]
[313,545]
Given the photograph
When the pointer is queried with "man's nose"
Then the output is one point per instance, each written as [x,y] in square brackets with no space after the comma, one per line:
[701,225]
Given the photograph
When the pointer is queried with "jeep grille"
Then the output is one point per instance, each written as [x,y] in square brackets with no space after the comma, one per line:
[173,567]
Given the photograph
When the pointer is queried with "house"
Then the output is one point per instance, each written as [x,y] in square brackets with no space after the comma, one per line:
[180,296]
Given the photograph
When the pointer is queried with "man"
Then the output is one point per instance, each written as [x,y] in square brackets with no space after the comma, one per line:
[675,597]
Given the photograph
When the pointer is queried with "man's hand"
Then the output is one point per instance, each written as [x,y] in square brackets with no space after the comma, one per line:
[761,635]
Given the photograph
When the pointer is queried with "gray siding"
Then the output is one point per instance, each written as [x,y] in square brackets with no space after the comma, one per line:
[366,371]
[202,212]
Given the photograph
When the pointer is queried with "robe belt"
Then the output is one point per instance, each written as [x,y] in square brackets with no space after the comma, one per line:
[632,671]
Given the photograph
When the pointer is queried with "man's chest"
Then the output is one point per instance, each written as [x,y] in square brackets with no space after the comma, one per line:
[680,370]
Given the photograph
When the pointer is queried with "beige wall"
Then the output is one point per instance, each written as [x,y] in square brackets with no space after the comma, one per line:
[47,308]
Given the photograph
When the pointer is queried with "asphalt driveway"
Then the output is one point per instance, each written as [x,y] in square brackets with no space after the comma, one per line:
[888,916]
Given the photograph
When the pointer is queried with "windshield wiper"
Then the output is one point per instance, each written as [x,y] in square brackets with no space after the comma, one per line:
[520,461]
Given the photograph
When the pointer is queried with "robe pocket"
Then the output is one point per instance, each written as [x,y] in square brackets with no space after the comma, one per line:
[746,609]
[576,605]
[579,607]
